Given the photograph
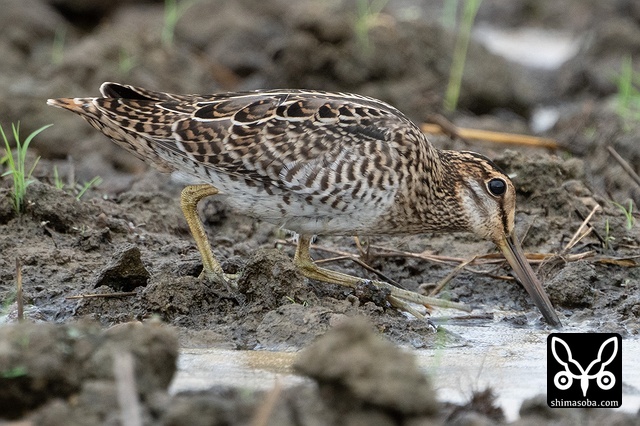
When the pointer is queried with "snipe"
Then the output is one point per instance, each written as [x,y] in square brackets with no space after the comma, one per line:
[314,163]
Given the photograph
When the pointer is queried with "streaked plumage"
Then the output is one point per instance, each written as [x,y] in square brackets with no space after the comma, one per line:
[312,162]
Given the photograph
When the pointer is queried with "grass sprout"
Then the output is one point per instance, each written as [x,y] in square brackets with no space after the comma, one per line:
[57,47]
[126,62]
[74,187]
[460,54]
[14,372]
[173,11]
[608,238]
[93,182]
[628,213]
[628,96]
[57,181]
[17,167]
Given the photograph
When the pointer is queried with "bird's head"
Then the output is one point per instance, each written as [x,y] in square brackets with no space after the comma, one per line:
[488,200]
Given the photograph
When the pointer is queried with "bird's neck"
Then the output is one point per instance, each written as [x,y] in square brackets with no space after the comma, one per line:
[431,194]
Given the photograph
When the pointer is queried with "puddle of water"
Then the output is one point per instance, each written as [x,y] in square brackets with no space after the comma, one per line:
[200,369]
[543,118]
[511,361]
[534,47]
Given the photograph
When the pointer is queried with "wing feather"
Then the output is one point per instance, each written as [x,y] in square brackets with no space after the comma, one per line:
[332,145]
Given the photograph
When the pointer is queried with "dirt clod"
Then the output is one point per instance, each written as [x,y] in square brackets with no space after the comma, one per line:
[356,367]
[271,279]
[79,360]
[573,285]
[125,272]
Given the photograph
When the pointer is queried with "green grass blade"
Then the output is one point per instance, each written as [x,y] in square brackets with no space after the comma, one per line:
[34,134]
[16,166]
[93,182]
[460,54]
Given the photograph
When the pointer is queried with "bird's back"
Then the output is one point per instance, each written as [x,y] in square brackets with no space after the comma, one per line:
[307,158]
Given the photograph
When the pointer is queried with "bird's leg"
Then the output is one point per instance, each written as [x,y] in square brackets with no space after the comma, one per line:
[397,296]
[189,199]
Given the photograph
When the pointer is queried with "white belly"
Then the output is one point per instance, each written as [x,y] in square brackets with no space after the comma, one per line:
[292,212]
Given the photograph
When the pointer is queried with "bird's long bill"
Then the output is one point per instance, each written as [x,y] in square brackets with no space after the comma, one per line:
[515,256]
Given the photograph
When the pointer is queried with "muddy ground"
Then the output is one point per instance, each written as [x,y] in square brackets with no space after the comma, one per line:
[127,240]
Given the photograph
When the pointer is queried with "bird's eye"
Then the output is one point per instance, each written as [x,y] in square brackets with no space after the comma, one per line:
[497,186]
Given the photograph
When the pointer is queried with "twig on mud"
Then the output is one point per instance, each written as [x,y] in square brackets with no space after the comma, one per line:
[572,257]
[596,233]
[332,259]
[448,319]
[390,252]
[262,415]
[19,300]
[105,295]
[487,259]
[399,304]
[627,262]
[123,371]
[624,164]
[445,127]
[450,276]
[579,234]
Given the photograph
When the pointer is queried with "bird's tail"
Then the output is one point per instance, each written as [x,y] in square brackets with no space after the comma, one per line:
[91,110]
[78,105]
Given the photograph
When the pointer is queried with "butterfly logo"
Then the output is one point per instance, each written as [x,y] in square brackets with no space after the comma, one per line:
[564,379]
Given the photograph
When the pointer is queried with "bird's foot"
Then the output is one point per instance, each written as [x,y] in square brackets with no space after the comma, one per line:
[397,297]
[368,290]
[226,281]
